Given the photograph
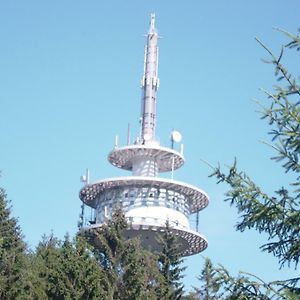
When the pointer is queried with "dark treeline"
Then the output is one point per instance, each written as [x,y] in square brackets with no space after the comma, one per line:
[116,269]
[74,269]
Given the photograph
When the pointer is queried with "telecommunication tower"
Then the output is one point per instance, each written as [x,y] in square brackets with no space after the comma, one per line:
[148,200]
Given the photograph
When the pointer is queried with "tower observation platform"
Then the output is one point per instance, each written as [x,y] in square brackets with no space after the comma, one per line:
[148,200]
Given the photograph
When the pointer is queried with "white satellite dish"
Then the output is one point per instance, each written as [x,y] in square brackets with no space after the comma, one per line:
[176,136]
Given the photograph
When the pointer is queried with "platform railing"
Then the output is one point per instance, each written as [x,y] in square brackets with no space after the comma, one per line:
[152,221]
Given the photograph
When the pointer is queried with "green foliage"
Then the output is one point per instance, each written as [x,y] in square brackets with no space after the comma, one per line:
[141,278]
[131,271]
[74,269]
[219,284]
[209,290]
[276,215]
[16,280]
[68,270]
[169,262]
[101,264]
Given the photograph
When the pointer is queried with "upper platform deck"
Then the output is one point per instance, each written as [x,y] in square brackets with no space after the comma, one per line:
[197,199]
[167,159]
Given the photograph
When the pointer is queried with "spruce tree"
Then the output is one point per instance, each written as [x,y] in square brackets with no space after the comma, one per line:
[276,215]
[16,278]
[217,283]
[210,286]
[170,261]
[132,271]
[69,270]
[46,263]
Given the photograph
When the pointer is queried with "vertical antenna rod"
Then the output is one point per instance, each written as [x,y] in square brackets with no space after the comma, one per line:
[150,84]
[86,179]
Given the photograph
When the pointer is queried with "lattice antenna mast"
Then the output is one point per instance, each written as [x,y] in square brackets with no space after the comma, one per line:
[150,83]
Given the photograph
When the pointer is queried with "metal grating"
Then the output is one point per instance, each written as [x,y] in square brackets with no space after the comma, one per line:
[191,242]
[165,157]
[196,197]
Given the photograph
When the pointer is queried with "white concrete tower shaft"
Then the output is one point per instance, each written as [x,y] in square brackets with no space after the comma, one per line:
[150,84]
[147,199]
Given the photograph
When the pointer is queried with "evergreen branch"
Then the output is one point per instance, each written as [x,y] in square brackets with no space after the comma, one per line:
[267,286]
[284,154]
[279,66]
[217,283]
[264,213]
[295,39]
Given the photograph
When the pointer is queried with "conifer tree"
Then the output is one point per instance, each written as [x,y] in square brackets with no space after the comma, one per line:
[16,279]
[217,284]
[276,215]
[170,261]
[131,270]
[69,270]
[210,288]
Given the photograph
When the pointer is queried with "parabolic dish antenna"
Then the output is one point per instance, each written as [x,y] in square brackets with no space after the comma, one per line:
[176,136]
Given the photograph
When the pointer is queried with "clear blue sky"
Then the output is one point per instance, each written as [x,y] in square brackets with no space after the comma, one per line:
[69,82]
